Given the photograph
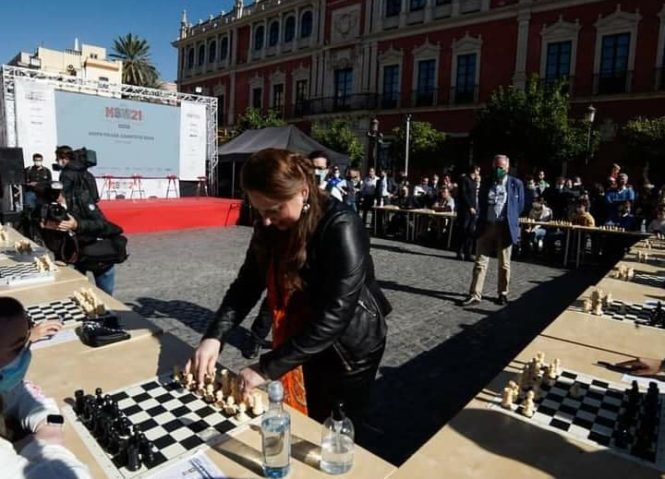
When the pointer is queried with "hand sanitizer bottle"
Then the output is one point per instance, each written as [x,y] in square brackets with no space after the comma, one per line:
[276,434]
[337,442]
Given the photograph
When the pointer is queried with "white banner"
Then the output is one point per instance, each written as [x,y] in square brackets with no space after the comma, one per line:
[192,140]
[127,188]
[35,120]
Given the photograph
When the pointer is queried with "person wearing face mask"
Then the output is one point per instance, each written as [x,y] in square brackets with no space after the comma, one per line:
[386,189]
[368,193]
[500,202]
[321,164]
[25,406]
[619,195]
[37,177]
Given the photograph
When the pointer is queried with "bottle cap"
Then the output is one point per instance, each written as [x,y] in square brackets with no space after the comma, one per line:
[338,412]
[275,391]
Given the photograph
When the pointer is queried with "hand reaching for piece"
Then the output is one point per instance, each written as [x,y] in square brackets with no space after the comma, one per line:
[250,378]
[641,366]
[204,359]
[44,329]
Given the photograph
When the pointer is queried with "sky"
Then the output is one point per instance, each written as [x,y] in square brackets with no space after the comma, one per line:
[27,24]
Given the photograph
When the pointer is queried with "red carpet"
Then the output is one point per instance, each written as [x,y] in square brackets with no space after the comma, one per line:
[146,216]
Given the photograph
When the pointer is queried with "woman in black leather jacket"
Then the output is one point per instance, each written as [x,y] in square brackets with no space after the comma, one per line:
[311,252]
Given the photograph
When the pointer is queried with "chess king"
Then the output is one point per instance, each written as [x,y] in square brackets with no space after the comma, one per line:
[311,253]
[22,401]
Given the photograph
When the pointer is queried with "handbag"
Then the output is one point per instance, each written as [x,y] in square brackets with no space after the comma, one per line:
[94,253]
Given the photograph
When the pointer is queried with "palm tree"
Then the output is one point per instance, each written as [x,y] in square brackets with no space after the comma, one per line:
[137,68]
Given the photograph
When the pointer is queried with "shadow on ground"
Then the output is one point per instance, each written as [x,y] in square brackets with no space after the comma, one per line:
[434,386]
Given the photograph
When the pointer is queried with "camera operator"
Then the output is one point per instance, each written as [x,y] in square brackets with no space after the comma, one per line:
[73,226]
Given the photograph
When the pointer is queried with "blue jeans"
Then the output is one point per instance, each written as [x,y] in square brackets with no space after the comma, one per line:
[104,280]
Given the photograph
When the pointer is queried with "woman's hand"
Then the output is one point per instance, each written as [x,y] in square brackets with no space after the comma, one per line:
[250,378]
[204,359]
[641,366]
[70,224]
[44,329]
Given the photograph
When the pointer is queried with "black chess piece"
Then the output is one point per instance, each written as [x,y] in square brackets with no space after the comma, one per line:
[79,396]
[622,437]
[88,406]
[113,446]
[98,396]
[133,451]
[147,450]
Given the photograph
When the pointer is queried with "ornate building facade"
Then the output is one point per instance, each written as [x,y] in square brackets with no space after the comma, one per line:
[438,60]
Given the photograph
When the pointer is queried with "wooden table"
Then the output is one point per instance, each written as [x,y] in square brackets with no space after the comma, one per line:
[60,372]
[580,230]
[485,443]
[552,225]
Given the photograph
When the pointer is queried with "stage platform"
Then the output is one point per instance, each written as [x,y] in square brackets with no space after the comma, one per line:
[150,215]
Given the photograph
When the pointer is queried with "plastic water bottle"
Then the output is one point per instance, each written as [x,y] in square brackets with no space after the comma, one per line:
[276,434]
[643,228]
[337,442]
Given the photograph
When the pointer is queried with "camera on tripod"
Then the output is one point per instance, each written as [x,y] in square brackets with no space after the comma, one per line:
[51,209]
[87,158]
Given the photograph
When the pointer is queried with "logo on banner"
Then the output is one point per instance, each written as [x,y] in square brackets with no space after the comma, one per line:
[117,113]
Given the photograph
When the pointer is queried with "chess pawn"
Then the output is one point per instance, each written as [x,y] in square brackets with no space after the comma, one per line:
[513,385]
[209,394]
[540,356]
[257,404]
[230,408]
[242,416]
[587,306]
[549,378]
[189,381]
[607,301]
[507,398]
[630,274]
[226,381]
[556,367]
[598,309]
[595,296]
[219,398]
[575,391]
[528,408]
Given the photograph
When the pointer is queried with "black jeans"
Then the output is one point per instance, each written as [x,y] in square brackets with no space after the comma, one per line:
[327,381]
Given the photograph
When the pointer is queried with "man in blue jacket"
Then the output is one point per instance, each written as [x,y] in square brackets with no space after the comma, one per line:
[500,203]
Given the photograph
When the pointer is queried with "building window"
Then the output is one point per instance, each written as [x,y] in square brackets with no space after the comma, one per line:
[202,55]
[223,48]
[614,63]
[93,56]
[558,60]
[257,97]
[343,87]
[106,79]
[466,78]
[190,59]
[301,97]
[393,8]
[290,29]
[212,52]
[220,110]
[273,34]
[278,96]
[390,95]
[258,38]
[425,85]
[306,25]
[415,5]
[443,2]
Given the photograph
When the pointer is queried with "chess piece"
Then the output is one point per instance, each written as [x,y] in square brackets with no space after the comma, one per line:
[242,416]
[537,391]
[230,407]
[209,394]
[176,374]
[226,381]
[587,305]
[529,406]
[607,301]
[79,399]
[507,398]
[257,404]
[575,391]
[556,367]
[219,398]
[598,309]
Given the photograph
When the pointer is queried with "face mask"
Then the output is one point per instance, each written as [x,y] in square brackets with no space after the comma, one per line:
[12,374]
[38,164]
[499,173]
[337,174]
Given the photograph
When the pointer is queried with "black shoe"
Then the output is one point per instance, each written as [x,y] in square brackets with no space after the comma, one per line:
[470,301]
[252,348]
[502,300]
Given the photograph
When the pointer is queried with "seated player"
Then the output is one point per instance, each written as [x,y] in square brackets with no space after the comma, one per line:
[581,216]
[657,225]
[542,213]
[23,403]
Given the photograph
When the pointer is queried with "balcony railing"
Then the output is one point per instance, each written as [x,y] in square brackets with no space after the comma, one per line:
[363,101]
[568,82]
[612,83]
[464,95]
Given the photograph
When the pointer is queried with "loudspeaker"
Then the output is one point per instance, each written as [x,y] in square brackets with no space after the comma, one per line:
[11,166]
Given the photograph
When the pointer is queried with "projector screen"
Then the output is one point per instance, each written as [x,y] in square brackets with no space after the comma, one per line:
[130,137]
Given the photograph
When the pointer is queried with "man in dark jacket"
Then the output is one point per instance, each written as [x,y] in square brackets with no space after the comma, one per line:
[500,203]
[467,212]
[386,189]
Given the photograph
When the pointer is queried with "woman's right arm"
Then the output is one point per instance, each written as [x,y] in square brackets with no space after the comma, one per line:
[238,301]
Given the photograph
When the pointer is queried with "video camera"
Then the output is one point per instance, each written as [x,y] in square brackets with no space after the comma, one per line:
[51,209]
[86,157]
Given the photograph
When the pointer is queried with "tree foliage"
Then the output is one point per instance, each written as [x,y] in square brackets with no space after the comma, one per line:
[425,144]
[137,67]
[339,136]
[645,139]
[532,124]
[254,119]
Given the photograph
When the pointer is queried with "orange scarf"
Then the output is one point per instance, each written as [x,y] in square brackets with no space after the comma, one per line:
[290,313]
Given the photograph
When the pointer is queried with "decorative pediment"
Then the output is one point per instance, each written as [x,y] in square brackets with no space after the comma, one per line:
[300,73]
[427,49]
[391,55]
[277,77]
[561,28]
[256,81]
[342,59]
[467,43]
[618,20]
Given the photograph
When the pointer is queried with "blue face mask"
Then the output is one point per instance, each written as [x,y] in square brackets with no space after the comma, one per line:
[12,374]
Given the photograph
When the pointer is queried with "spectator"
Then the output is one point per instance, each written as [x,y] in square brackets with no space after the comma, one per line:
[423,193]
[582,217]
[558,197]
[350,189]
[368,193]
[542,213]
[37,178]
[657,225]
[501,201]
[530,193]
[321,167]
[617,196]
[467,212]
[335,183]
[541,185]
[386,188]
[444,202]
[436,185]
[578,187]
[614,172]
[625,218]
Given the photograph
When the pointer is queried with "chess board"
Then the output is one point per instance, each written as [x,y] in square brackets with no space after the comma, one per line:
[637,314]
[66,310]
[649,279]
[177,421]
[592,418]
[23,273]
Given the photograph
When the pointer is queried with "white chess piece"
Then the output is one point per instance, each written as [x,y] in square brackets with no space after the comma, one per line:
[529,406]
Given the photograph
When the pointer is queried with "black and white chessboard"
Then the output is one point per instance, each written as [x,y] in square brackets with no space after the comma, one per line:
[23,273]
[177,421]
[649,279]
[593,417]
[66,310]
[631,313]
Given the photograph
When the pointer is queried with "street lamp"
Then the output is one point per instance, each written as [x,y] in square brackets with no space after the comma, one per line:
[589,116]
[374,137]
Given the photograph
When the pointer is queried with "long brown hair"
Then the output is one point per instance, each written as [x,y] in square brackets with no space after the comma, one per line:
[281,175]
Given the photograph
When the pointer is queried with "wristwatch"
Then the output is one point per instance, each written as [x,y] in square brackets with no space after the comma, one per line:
[55,420]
